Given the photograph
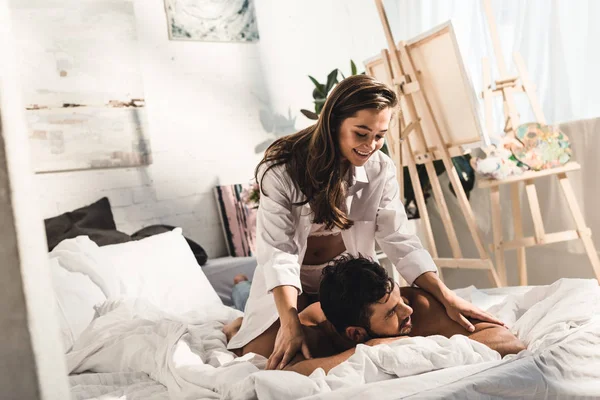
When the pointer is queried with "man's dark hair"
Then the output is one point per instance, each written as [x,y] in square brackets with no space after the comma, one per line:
[348,287]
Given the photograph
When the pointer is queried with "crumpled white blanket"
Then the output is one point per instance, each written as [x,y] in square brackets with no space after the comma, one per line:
[559,323]
[187,353]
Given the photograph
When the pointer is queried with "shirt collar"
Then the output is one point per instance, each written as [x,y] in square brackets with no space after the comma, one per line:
[359,174]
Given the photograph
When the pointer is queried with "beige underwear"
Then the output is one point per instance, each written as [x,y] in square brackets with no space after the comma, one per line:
[310,276]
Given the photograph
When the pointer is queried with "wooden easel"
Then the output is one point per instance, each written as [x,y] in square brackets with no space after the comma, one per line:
[506,87]
[417,122]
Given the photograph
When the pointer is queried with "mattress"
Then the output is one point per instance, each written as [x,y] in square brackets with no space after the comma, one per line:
[221,271]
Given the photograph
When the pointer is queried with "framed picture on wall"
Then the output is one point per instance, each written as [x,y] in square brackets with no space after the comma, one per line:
[212,20]
[82,84]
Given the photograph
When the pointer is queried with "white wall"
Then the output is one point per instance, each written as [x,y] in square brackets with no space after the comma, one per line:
[312,37]
[203,102]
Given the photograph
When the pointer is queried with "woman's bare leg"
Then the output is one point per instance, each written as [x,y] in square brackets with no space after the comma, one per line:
[232,328]
[263,344]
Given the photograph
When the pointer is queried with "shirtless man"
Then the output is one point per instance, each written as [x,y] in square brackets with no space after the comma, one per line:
[359,303]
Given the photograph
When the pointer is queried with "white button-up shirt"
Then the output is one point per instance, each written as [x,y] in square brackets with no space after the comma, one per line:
[373,203]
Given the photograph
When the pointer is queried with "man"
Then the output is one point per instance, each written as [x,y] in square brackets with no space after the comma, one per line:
[359,303]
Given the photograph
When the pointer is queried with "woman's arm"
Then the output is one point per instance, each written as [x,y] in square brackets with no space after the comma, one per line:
[276,250]
[278,256]
[412,261]
[402,248]
[431,283]
[290,337]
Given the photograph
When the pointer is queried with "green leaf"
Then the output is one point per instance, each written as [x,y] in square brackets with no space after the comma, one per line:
[317,94]
[309,114]
[331,80]
[353,67]
[318,107]
[319,86]
[319,103]
[343,77]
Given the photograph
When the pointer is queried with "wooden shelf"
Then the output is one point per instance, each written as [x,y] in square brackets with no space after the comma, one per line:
[568,167]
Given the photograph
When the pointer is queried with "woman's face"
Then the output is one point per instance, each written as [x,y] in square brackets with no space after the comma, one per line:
[362,135]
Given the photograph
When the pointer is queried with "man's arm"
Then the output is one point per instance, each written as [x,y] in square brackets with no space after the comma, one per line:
[497,338]
[306,367]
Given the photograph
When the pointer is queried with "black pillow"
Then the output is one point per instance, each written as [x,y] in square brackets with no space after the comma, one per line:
[95,220]
[198,251]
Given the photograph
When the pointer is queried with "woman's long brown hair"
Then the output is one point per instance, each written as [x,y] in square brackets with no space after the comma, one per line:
[312,156]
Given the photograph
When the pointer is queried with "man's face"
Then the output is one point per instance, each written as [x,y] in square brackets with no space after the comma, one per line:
[390,316]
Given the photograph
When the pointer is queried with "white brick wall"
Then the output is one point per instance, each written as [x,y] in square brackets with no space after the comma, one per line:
[203,102]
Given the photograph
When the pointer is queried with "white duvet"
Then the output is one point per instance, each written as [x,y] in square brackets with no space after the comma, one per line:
[560,324]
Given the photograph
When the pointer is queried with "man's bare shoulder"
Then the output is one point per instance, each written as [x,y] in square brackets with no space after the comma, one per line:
[312,315]
[419,298]
[429,315]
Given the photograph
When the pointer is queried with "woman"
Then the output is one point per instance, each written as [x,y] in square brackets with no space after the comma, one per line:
[327,190]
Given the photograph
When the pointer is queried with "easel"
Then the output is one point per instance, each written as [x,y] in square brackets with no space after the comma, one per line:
[418,139]
[506,87]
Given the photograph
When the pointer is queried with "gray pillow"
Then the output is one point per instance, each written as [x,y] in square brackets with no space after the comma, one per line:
[94,220]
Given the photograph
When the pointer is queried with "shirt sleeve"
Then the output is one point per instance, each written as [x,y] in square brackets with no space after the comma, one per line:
[276,249]
[402,248]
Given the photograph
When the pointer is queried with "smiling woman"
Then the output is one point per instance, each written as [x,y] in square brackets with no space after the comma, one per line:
[363,134]
[327,190]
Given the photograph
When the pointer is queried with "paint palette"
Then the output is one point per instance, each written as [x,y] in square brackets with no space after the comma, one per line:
[541,146]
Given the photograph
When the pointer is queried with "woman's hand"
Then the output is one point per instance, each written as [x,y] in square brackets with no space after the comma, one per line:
[459,309]
[290,339]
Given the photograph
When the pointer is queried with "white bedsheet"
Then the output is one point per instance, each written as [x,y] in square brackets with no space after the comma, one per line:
[560,324]
[123,385]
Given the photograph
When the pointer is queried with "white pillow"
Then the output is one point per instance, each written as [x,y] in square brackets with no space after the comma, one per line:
[80,254]
[76,295]
[161,269]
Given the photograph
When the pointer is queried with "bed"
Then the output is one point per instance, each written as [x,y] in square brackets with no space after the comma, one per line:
[157,335]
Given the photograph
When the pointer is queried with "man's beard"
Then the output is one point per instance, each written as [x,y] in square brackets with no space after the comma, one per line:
[373,335]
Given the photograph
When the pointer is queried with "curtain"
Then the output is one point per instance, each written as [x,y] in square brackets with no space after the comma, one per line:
[558,39]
